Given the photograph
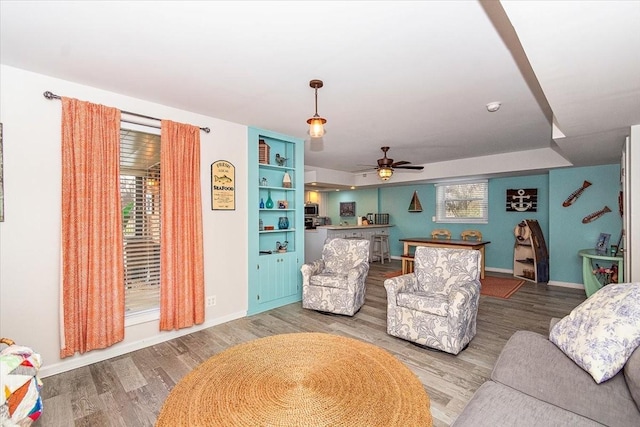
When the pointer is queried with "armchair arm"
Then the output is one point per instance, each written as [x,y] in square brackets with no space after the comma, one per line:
[395,285]
[461,297]
[311,269]
[358,271]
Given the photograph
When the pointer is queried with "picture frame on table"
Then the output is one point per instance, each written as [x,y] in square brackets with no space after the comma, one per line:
[603,243]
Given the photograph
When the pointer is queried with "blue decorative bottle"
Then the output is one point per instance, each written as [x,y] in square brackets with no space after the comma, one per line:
[269,204]
[261,203]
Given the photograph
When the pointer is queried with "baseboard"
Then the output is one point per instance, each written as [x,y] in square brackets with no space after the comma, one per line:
[566,284]
[118,350]
[498,270]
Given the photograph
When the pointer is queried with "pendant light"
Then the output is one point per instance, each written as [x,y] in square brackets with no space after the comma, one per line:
[316,123]
[385,173]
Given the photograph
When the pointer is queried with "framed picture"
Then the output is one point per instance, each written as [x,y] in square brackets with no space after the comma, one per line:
[603,243]
[283,204]
[223,180]
[347,208]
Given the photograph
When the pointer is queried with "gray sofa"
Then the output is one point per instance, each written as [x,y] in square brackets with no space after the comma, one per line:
[534,384]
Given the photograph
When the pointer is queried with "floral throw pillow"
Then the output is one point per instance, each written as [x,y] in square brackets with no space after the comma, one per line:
[601,333]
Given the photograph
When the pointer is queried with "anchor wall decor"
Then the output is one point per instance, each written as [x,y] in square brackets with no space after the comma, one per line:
[522,200]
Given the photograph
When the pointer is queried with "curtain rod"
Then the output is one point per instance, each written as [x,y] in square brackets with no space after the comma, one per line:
[50,95]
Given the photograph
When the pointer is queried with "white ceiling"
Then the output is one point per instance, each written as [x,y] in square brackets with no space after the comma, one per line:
[415,76]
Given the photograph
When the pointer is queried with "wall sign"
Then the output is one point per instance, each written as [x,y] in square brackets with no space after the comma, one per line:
[522,200]
[223,181]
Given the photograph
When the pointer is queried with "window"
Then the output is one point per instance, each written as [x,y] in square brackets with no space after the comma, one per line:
[465,202]
[141,204]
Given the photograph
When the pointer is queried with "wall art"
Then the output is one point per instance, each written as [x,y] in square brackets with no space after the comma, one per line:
[522,200]
[415,205]
[347,208]
[223,181]
[597,214]
[574,196]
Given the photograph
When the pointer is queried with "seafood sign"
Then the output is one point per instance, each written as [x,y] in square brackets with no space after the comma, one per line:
[223,192]
[597,214]
[574,196]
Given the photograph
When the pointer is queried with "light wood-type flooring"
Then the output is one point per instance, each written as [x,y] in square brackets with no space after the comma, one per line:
[129,390]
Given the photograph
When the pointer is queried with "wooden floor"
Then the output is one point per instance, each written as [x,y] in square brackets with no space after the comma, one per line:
[129,390]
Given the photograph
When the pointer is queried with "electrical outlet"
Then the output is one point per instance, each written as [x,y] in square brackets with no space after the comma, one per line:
[211,301]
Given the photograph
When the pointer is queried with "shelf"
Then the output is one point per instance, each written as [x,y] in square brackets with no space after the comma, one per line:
[276,167]
[277,230]
[268,187]
[526,261]
[276,210]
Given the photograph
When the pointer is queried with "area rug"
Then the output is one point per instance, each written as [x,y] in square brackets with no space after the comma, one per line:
[310,379]
[391,274]
[499,287]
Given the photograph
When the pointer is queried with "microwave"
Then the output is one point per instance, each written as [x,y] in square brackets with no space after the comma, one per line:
[311,209]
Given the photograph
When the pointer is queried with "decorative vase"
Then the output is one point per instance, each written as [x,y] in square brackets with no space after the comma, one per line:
[261,203]
[269,203]
[283,223]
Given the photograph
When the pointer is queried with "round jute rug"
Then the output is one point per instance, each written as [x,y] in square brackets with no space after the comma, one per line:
[301,379]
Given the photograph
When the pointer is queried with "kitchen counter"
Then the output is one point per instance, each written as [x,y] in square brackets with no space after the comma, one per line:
[349,227]
[314,238]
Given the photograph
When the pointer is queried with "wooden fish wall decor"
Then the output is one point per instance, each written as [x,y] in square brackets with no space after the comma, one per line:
[592,217]
[574,196]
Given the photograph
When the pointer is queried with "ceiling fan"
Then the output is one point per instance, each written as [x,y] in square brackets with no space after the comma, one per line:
[386,165]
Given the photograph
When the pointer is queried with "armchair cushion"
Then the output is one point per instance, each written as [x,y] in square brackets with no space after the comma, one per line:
[329,280]
[438,270]
[424,302]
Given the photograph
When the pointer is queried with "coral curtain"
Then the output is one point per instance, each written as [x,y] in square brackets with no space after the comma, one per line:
[92,295]
[181,248]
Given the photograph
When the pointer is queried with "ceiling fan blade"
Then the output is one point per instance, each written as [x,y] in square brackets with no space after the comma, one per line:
[418,168]
[401,162]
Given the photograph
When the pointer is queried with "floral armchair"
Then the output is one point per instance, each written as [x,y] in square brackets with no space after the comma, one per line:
[335,283]
[436,305]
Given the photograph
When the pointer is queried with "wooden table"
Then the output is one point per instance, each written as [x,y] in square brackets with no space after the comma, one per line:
[407,257]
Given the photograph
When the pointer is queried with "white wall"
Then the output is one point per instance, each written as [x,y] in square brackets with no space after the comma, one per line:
[632,210]
[30,234]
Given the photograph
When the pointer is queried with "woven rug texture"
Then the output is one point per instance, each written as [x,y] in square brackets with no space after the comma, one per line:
[299,379]
[499,287]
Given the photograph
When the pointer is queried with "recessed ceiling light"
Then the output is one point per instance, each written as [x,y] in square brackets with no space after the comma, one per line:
[492,107]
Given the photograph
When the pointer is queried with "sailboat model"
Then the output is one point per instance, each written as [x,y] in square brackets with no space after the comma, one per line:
[415,205]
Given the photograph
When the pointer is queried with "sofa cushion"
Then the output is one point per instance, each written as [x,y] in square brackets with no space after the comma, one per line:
[602,332]
[529,362]
[632,375]
[498,405]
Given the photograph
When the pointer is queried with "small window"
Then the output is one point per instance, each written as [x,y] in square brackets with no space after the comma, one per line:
[141,207]
[465,202]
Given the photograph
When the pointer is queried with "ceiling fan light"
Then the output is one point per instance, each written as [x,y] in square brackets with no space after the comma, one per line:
[385,173]
[316,126]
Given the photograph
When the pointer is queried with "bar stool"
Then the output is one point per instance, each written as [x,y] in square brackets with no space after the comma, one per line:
[380,247]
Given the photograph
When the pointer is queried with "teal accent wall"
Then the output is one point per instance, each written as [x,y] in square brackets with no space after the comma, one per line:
[562,227]
[568,233]
[366,201]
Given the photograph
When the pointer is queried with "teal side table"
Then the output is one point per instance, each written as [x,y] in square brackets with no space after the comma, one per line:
[591,280]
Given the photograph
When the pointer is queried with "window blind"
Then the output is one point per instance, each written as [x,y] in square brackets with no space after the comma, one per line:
[141,206]
[463,202]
